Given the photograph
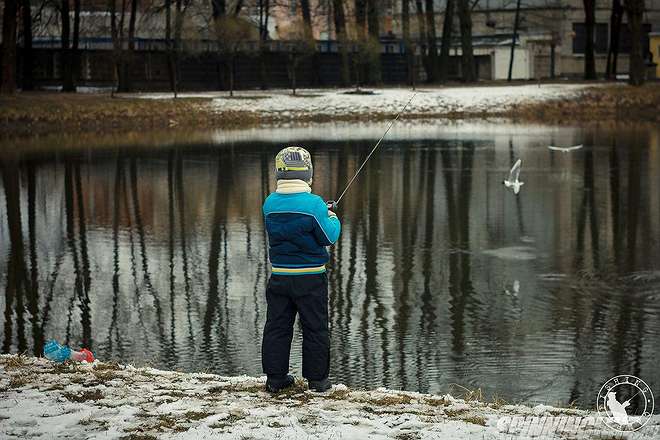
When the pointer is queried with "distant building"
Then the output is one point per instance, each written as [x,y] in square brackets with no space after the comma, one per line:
[654,51]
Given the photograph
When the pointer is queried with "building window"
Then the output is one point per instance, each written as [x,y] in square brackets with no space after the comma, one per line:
[292,7]
[580,38]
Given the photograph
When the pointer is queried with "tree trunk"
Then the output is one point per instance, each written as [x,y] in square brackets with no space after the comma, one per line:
[264,13]
[446,40]
[28,76]
[342,39]
[309,35]
[361,27]
[589,25]
[407,46]
[469,68]
[431,37]
[361,19]
[171,72]
[218,7]
[307,18]
[128,86]
[514,39]
[112,7]
[421,24]
[178,27]
[121,65]
[637,70]
[374,36]
[615,34]
[8,80]
[75,52]
[232,57]
[67,70]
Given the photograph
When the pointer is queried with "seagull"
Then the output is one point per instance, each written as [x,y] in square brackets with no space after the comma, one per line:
[515,288]
[565,149]
[512,181]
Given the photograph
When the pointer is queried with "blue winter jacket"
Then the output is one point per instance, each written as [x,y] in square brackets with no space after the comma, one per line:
[299,229]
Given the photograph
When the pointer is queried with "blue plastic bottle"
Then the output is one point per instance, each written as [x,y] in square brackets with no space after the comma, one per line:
[56,352]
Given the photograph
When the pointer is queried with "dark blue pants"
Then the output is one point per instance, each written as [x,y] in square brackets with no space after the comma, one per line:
[287,295]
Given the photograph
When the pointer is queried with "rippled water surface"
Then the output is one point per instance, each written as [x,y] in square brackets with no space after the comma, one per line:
[440,278]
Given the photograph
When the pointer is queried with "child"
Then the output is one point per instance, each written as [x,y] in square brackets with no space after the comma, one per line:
[300,225]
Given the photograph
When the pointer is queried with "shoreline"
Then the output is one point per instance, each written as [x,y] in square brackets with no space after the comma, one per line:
[31,114]
[112,401]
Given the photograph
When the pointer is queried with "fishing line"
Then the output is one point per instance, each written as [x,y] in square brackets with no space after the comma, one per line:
[333,204]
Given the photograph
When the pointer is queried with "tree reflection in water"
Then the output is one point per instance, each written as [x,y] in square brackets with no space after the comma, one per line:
[161,257]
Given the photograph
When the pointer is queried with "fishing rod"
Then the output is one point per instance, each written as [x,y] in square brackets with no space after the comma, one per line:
[332,205]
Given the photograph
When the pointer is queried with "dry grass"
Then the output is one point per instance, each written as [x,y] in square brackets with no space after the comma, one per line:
[437,401]
[19,380]
[391,400]
[197,415]
[14,362]
[238,388]
[475,420]
[84,396]
[43,112]
[338,394]
[455,413]
[596,104]
[105,375]
[135,436]
[105,366]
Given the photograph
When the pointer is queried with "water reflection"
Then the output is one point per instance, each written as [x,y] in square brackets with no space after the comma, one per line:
[440,277]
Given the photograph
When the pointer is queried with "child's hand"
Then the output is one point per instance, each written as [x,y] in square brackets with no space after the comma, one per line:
[331,214]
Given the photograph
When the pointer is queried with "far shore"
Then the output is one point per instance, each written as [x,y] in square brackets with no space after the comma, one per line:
[32,114]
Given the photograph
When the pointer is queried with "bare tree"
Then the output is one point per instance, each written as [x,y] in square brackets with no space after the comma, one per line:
[407,42]
[69,47]
[28,77]
[432,64]
[231,32]
[615,34]
[8,83]
[589,25]
[300,46]
[447,27]
[465,19]
[635,12]
[374,36]
[421,26]
[342,38]
[264,15]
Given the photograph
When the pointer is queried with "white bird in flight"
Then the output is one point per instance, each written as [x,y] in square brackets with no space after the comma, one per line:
[512,181]
[565,149]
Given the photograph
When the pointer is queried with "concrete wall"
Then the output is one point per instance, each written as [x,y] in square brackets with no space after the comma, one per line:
[521,63]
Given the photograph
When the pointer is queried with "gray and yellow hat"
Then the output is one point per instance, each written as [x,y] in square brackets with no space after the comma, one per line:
[294,163]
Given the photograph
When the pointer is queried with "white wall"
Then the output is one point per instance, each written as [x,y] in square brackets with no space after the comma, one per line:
[521,63]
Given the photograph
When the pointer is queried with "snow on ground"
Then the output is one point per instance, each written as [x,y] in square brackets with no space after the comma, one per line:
[109,401]
[281,104]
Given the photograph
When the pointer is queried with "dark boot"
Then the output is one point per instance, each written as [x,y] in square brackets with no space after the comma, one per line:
[320,386]
[276,385]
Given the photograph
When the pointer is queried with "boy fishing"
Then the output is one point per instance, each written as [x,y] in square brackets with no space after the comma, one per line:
[299,225]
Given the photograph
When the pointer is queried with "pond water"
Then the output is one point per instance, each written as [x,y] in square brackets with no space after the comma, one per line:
[441,278]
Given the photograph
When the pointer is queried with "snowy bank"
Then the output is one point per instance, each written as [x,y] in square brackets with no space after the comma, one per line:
[108,401]
[280,104]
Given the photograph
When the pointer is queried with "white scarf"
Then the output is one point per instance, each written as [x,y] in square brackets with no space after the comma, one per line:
[292,186]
